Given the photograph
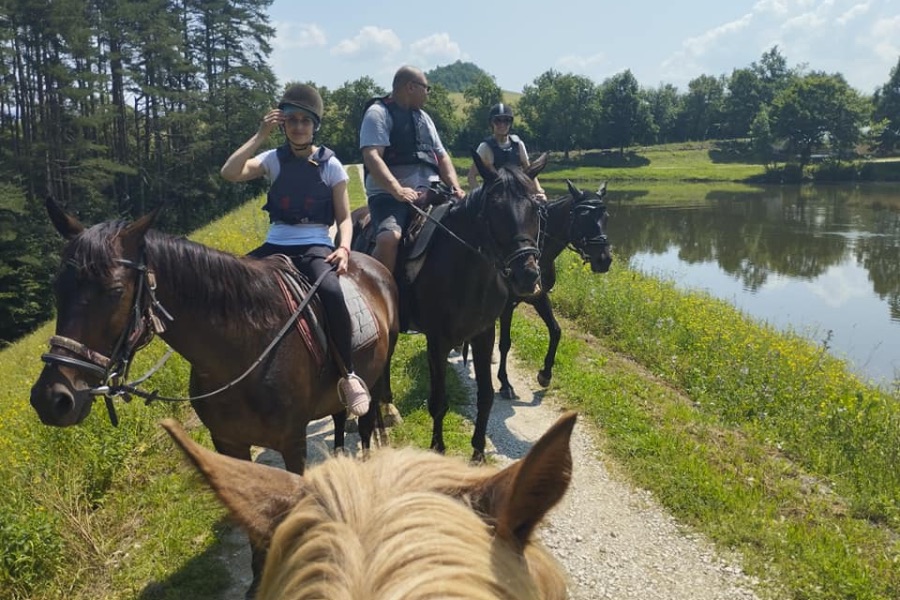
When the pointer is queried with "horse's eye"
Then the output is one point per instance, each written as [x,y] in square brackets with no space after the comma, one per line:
[116,292]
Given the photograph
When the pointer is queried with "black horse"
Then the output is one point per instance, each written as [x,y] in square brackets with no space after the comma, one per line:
[577,220]
[483,253]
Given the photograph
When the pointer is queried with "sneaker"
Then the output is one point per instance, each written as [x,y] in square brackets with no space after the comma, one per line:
[354,394]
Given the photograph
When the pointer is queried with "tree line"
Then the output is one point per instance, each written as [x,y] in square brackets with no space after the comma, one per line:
[114,107]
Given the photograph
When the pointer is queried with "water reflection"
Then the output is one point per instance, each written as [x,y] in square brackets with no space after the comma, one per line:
[816,259]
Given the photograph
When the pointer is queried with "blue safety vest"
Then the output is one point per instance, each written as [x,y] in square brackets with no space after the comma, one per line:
[298,194]
[406,148]
[504,156]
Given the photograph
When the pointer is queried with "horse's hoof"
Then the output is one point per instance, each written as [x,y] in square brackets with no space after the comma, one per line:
[477,457]
[508,393]
[391,415]
[543,380]
[351,426]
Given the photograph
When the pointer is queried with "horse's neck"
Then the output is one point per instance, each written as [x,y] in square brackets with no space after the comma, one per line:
[198,301]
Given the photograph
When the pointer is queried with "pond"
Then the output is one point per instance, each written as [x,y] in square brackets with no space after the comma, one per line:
[822,261]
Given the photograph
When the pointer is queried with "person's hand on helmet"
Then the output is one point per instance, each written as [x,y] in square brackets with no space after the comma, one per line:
[270,122]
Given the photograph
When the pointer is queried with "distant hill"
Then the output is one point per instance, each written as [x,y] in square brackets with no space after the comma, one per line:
[455,77]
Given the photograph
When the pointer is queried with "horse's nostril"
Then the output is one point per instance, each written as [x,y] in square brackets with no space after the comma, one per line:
[62,402]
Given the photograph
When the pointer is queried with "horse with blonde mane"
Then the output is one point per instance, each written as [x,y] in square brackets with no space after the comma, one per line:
[405,524]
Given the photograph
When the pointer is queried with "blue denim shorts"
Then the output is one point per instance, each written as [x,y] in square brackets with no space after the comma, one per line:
[388,213]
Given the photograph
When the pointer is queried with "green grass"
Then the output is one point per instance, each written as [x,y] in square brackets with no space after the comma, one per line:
[681,162]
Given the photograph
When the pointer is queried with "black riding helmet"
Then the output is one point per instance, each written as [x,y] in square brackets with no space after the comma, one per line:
[500,110]
[304,98]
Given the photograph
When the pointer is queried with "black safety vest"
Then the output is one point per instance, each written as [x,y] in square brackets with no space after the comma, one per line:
[503,156]
[406,148]
[298,194]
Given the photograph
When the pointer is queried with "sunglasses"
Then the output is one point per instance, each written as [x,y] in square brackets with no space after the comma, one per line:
[425,86]
[506,120]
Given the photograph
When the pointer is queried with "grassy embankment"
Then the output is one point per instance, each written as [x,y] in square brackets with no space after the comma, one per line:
[757,439]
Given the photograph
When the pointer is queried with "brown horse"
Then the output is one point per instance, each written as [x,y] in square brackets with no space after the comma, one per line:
[577,220]
[220,312]
[405,524]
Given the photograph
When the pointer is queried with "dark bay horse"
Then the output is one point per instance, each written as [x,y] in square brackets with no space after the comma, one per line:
[577,220]
[405,524]
[220,312]
[484,253]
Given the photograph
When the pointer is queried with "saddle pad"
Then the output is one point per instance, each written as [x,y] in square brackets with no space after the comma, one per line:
[362,321]
[364,328]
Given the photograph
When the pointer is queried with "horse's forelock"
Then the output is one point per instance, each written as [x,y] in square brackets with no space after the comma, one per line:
[92,253]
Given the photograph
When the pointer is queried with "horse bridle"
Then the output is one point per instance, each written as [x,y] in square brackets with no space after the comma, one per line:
[503,265]
[528,247]
[112,370]
[578,246]
[587,206]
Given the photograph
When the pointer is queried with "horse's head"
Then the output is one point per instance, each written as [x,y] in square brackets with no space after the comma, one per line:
[512,218]
[587,227]
[101,291]
[405,523]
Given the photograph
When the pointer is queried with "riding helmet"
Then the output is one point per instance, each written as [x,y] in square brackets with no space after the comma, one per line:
[305,98]
[500,110]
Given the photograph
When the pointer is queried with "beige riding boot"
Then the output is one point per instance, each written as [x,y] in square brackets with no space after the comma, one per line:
[354,394]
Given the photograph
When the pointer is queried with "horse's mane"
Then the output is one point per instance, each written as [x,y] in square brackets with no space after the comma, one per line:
[387,528]
[511,182]
[231,289]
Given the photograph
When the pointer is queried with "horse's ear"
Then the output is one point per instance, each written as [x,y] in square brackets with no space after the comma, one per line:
[519,496]
[133,236]
[537,166]
[67,225]
[601,191]
[488,174]
[573,191]
[257,496]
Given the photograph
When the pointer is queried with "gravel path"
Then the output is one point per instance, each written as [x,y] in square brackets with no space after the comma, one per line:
[614,541]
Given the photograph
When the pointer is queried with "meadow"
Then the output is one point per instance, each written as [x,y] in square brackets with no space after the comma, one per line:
[757,439]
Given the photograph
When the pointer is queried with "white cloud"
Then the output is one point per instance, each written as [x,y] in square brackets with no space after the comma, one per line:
[886,38]
[854,12]
[782,7]
[435,49]
[686,63]
[298,35]
[580,64]
[369,40]
[804,24]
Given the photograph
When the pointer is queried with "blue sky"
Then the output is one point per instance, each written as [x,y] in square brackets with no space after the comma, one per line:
[658,40]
